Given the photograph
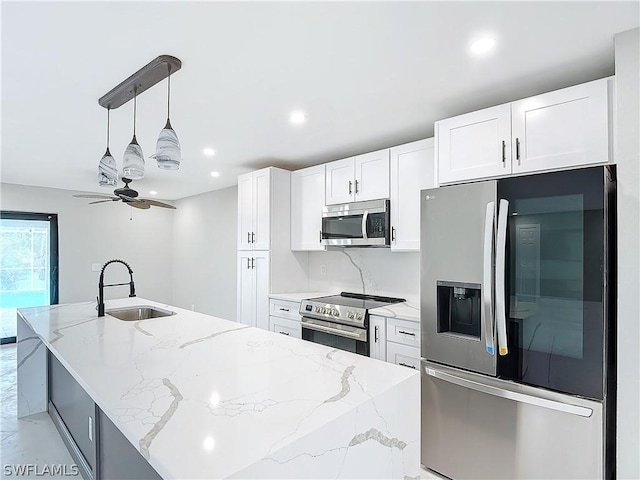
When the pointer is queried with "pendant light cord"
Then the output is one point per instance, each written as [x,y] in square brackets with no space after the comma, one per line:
[108,112]
[134,111]
[168,91]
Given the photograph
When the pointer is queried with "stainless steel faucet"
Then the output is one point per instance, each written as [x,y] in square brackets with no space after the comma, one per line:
[101,285]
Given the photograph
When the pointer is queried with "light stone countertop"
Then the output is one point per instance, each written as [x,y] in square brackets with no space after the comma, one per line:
[298,296]
[203,397]
[404,311]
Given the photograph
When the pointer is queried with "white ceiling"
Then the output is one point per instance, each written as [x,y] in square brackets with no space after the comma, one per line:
[368,75]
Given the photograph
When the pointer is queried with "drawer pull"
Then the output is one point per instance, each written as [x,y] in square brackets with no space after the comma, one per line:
[407,365]
[284,309]
[284,333]
[407,333]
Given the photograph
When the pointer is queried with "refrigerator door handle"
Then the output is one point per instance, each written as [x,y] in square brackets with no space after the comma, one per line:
[501,247]
[510,394]
[487,279]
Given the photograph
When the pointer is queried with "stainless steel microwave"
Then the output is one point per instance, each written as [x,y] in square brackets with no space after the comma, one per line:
[357,224]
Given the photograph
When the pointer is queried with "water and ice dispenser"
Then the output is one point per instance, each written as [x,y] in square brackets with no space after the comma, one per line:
[459,308]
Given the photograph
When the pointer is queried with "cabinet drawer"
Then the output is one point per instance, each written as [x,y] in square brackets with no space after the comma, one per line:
[283,326]
[284,309]
[403,355]
[403,331]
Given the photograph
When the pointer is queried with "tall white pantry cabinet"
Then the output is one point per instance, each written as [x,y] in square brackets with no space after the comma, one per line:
[265,261]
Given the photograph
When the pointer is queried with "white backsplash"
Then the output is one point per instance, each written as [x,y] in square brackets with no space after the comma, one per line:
[377,271]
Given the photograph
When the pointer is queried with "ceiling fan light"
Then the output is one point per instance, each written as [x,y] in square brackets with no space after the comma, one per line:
[168,153]
[133,162]
[107,171]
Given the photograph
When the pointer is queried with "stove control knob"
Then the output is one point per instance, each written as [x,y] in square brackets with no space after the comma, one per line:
[350,315]
[336,312]
[359,316]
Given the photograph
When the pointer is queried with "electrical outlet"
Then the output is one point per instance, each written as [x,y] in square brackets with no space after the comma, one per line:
[95,267]
[323,269]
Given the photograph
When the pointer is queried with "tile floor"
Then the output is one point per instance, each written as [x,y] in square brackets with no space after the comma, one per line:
[35,440]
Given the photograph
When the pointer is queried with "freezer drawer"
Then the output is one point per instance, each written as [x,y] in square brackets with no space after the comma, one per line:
[497,429]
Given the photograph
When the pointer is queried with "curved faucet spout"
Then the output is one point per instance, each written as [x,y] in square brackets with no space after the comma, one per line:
[101,285]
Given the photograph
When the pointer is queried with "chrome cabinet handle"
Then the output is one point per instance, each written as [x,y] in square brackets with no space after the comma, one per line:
[320,236]
[504,153]
[487,280]
[284,309]
[253,237]
[356,187]
[350,183]
[393,234]
[407,333]
[407,365]
[253,264]
[284,333]
[248,263]
[375,335]
[248,237]
[518,150]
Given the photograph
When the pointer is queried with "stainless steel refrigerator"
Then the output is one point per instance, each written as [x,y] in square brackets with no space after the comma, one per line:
[518,327]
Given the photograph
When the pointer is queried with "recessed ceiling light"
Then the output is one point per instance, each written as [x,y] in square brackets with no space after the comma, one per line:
[215,174]
[482,45]
[153,192]
[297,117]
[209,152]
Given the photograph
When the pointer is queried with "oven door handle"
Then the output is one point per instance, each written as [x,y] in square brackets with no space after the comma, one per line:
[346,332]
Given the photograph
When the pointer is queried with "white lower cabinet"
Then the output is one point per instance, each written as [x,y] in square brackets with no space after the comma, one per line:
[253,288]
[403,355]
[378,337]
[403,331]
[284,326]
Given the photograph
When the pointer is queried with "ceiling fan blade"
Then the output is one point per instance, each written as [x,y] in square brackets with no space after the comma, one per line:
[139,204]
[156,203]
[110,197]
[102,201]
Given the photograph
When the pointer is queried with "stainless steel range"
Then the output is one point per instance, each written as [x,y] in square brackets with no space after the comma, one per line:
[341,321]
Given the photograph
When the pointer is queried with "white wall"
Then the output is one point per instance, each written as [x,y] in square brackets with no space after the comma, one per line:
[204,253]
[627,152]
[369,270]
[90,234]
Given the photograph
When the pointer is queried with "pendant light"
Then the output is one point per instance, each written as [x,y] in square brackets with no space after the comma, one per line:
[107,170]
[133,162]
[168,153]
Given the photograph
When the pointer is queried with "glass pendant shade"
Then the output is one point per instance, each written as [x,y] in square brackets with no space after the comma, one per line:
[107,170]
[168,149]
[133,162]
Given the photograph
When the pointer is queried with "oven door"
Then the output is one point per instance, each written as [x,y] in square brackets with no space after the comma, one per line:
[357,224]
[342,337]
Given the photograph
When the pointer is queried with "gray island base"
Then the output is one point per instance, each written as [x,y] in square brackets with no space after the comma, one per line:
[194,396]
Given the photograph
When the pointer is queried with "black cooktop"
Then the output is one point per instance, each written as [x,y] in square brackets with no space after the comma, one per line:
[357,300]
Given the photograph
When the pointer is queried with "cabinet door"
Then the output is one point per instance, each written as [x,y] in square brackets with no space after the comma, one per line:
[372,175]
[245,211]
[340,186]
[262,278]
[565,128]
[283,326]
[246,290]
[262,208]
[412,170]
[307,200]
[378,337]
[475,145]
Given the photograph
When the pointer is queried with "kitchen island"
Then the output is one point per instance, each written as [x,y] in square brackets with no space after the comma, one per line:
[202,397]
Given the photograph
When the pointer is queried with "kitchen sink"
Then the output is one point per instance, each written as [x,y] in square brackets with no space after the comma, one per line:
[139,312]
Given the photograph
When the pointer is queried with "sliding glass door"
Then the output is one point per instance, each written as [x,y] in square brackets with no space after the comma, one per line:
[28,265]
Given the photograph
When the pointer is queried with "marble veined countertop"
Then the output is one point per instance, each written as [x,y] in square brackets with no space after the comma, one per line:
[404,311]
[202,397]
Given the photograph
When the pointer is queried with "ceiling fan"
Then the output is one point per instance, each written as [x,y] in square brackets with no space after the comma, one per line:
[127,195]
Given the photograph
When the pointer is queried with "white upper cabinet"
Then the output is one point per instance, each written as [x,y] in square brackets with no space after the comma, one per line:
[359,178]
[557,130]
[245,211]
[307,200]
[474,145]
[261,208]
[372,176]
[565,128]
[412,170]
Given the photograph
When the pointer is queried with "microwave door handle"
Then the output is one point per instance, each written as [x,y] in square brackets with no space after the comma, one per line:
[487,279]
[501,253]
[365,216]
